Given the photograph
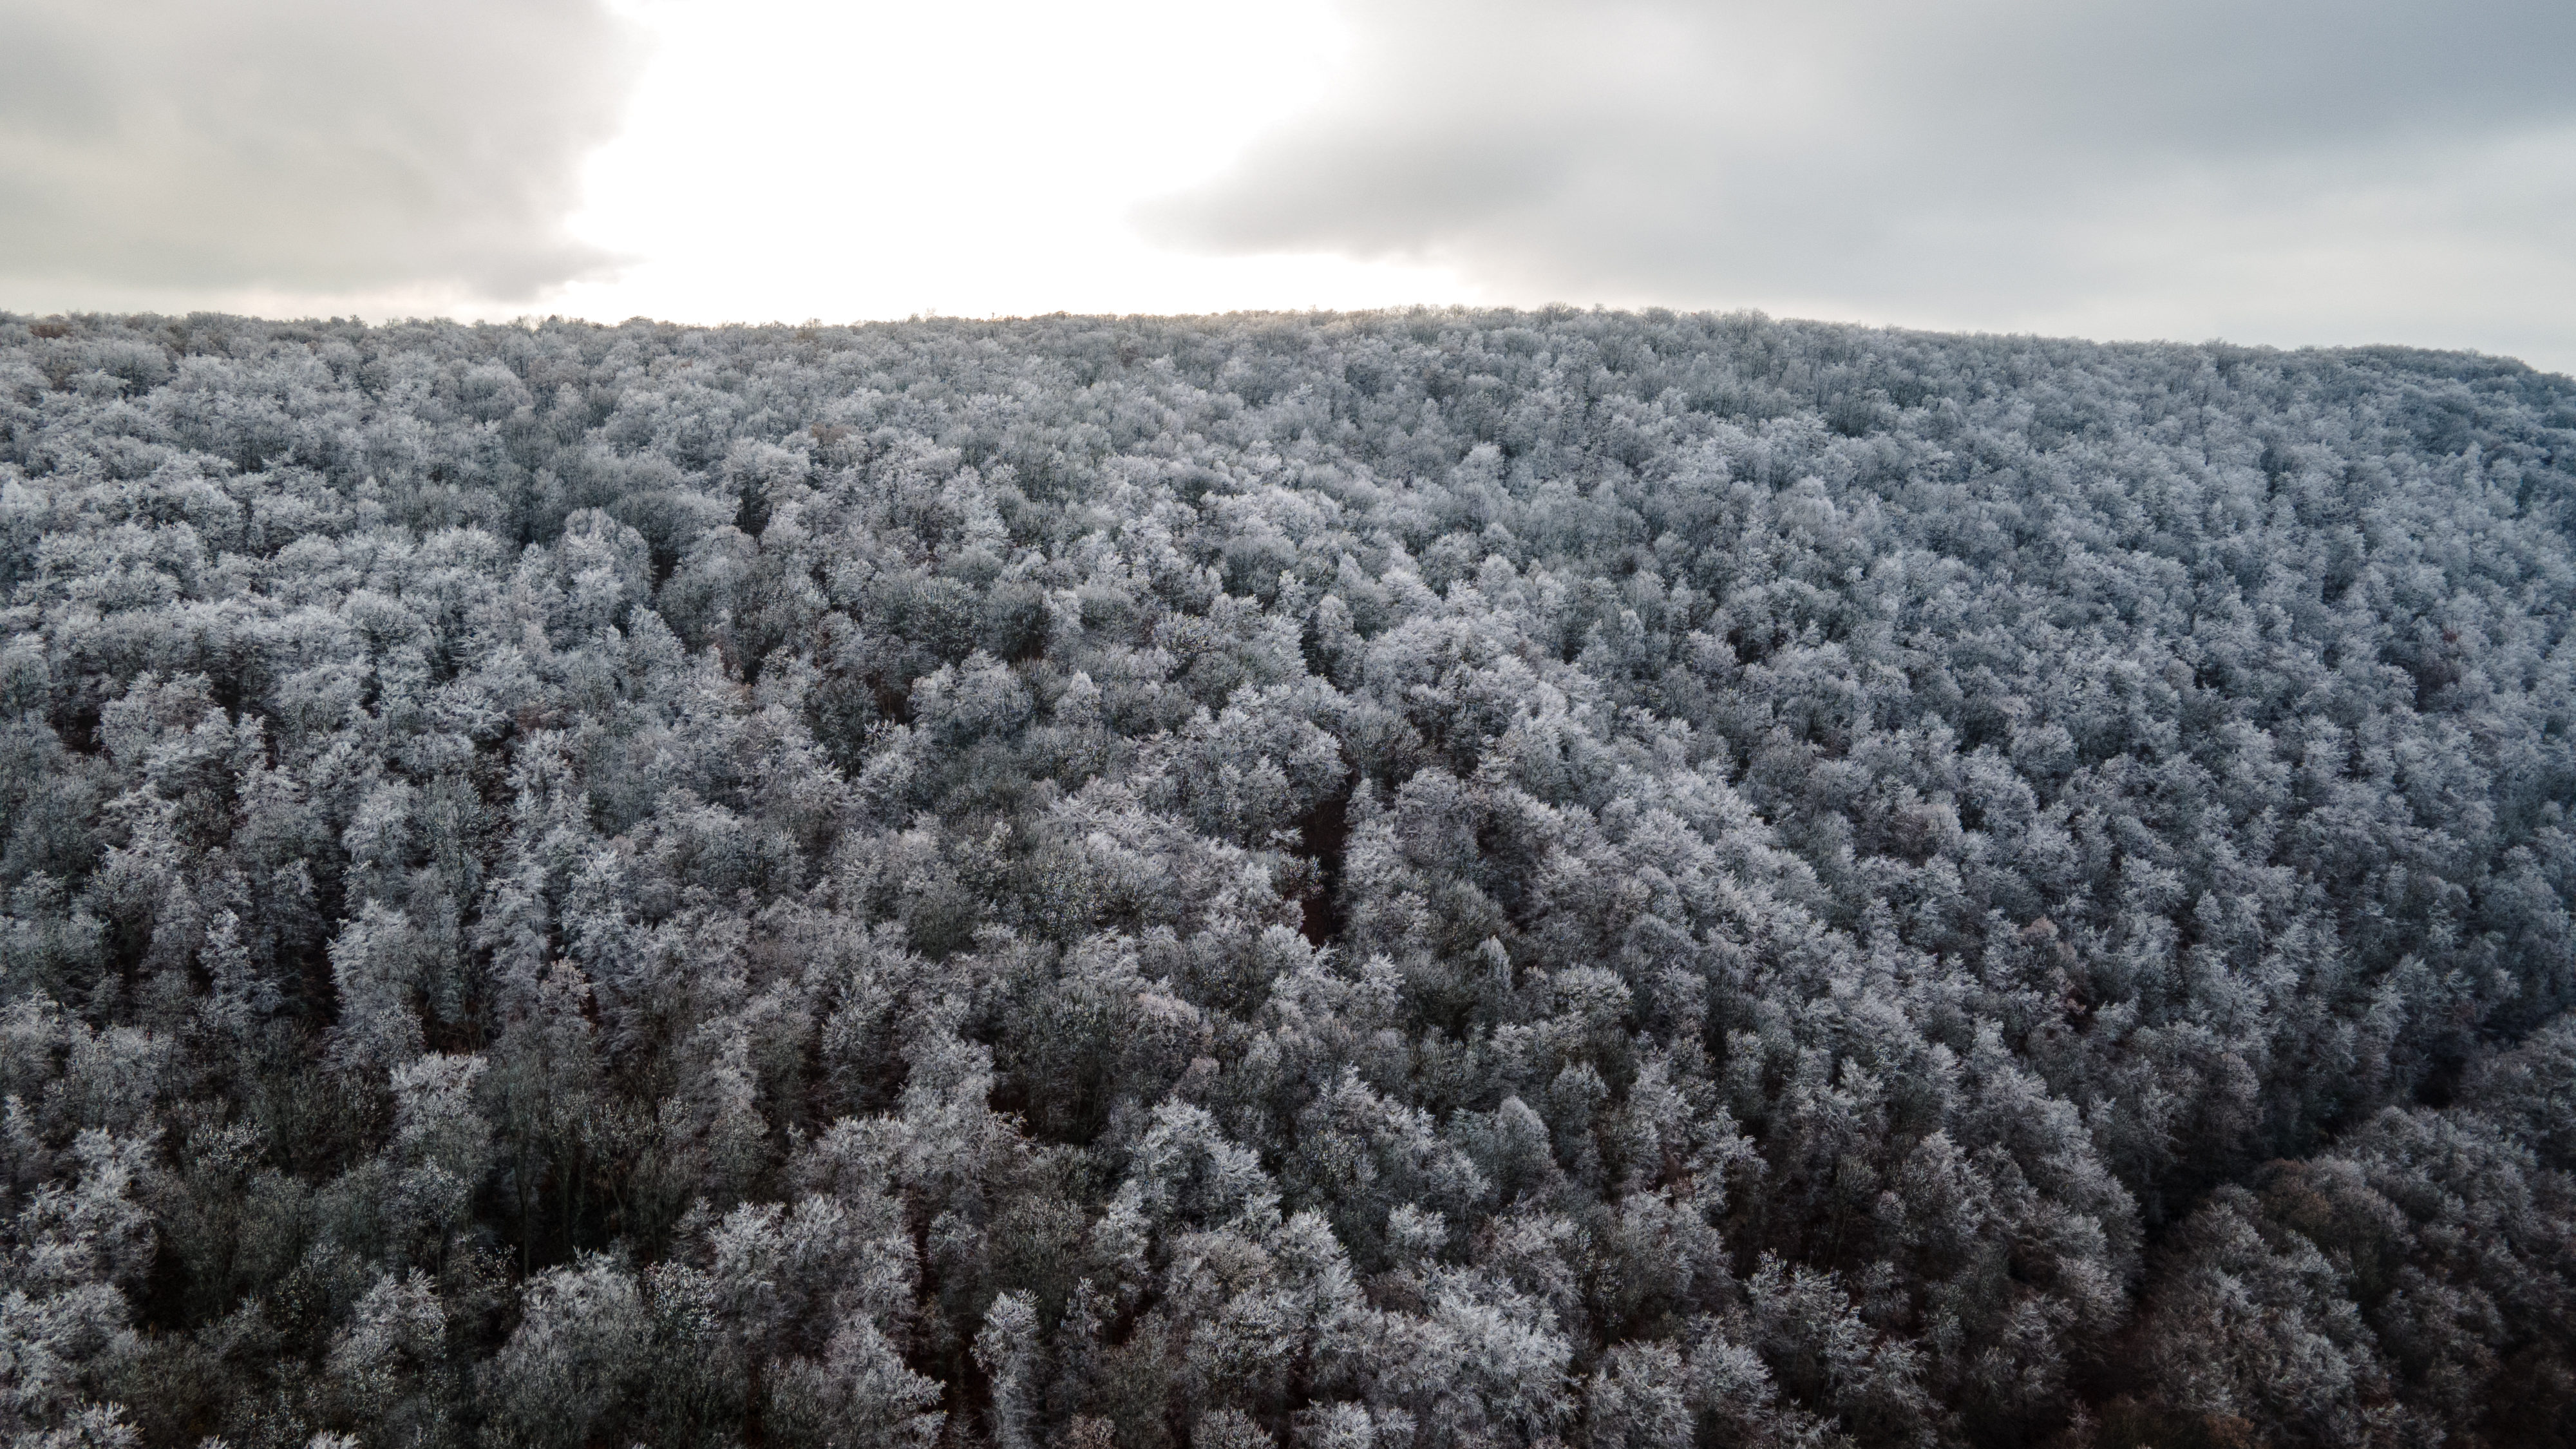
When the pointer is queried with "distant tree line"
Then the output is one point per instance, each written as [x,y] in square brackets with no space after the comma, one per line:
[1413,880]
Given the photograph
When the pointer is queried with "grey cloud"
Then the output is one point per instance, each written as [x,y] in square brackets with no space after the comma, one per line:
[1994,162]
[302,145]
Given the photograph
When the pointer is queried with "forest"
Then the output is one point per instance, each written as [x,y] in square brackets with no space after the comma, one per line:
[1431,879]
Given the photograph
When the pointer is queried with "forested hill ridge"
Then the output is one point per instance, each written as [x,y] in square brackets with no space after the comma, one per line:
[1416,880]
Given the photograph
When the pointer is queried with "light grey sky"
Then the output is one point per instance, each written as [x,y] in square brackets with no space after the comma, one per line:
[198,147]
[2291,172]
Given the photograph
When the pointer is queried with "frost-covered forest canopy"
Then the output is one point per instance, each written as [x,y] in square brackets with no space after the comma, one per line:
[1420,880]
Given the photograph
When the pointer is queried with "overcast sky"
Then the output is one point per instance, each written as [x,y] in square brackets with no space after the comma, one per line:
[2289,172]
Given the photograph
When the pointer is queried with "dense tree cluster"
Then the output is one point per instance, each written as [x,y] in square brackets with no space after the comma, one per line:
[1422,880]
